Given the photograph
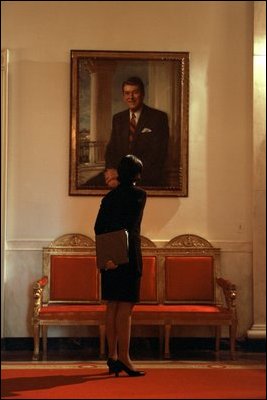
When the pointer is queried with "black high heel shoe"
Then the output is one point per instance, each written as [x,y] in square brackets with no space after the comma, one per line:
[130,372]
[113,368]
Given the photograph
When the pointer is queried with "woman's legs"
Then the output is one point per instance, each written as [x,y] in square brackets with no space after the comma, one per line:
[123,329]
[111,333]
[118,330]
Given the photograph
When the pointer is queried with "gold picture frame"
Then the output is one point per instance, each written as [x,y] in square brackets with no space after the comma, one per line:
[96,88]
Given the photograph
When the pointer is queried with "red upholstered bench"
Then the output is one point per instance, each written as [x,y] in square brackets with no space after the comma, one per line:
[184,287]
[181,285]
[69,291]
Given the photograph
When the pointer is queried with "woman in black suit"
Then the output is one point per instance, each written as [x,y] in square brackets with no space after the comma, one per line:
[122,208]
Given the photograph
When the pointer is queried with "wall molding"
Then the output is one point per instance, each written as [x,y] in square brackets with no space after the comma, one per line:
[257,331]
[27,244]
[38,244]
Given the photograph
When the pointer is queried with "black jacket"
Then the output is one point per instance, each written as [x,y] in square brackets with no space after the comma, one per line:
[122,208]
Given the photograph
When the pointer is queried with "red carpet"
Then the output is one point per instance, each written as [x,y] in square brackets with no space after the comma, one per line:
[88,382]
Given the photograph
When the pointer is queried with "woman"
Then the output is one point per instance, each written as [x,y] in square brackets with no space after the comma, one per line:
[122,208]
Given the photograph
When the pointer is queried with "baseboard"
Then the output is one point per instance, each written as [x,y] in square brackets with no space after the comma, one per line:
[176,343]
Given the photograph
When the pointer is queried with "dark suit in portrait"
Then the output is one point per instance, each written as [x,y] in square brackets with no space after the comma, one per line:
[140,130]
[150,143]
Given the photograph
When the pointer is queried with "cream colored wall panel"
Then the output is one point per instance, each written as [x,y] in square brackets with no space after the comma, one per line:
[24,267]
[219,111]
[40,35]
[258,328]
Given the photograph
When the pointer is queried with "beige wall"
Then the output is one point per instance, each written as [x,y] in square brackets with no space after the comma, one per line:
[39,36]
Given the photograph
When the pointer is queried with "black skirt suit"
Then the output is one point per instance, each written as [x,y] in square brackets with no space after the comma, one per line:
[122,208]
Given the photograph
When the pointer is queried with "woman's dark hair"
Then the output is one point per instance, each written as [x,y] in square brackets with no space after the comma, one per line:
[129,168]
[136,81]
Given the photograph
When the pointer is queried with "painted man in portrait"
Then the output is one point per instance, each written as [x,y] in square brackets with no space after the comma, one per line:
[139,130]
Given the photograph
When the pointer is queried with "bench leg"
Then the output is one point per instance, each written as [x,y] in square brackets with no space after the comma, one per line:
[102,338]
[36,342]
[161,339]
[44,336]
[232,336]
[217,340]
[167,341]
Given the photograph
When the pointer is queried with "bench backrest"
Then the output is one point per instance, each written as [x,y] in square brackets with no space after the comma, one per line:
[73,278]
[70,265]
[183,271]
[187,268]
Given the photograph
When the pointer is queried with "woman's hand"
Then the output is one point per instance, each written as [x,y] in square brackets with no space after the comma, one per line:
[110,265]
[111,177]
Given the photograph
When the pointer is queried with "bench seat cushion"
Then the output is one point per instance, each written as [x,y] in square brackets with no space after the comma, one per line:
[179,308]
[193,313]
[156,312]
[72,312]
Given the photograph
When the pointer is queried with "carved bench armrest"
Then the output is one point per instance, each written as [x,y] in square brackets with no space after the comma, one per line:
[229,291]
[38,288]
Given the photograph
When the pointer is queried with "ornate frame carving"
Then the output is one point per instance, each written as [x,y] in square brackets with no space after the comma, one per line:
[96,78]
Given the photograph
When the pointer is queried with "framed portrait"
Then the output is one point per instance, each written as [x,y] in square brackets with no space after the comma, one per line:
[104,86]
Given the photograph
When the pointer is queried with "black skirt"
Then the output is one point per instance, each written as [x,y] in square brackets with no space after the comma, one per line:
[120,285]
